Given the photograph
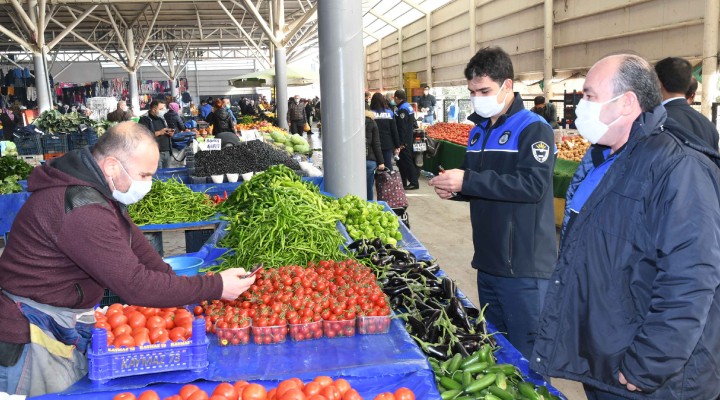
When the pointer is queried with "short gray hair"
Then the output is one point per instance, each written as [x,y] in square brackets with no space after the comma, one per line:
[636,75]
[122,140]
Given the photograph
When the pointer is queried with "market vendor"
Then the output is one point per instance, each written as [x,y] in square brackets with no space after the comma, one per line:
[71,240]
[155,122]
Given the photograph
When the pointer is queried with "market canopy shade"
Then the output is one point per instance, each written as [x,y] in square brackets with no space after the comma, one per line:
[295,77]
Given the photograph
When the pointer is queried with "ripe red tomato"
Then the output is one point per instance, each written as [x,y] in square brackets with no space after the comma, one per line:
[124,396]
[141,338]
[331,392]
[385,396]
[284,386]
[352,394]
[148,395]
[342,385]
[124,340]
[136,319]
[187,390]
[404,394]
[226,390]
[155,322]
[292,394]
[312,388]
[117,319]
[254,391]
[177,334]
[198,395]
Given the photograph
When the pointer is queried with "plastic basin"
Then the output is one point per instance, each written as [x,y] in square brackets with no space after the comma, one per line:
[185,266]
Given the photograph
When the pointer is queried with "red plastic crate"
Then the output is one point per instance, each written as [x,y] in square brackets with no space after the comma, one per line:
[108,363]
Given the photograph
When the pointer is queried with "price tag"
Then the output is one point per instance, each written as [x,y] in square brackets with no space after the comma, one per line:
[213,144]
[420,146]
[248,135]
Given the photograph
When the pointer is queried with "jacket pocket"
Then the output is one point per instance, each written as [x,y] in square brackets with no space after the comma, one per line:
[80,295]
[621,209]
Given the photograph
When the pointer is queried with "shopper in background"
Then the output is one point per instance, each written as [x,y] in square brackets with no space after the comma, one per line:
[546,110]
[296,115]
[373,152]
[385,120]
[309,111]
[692,89]
[634,308]
[206,107]
[121,113]
[154,120]
[507,176]
[426,103]
[228,107]
[72,239]
[674,74]
[7,119]
[173,120]
[367,100]
[220,118]
[405,120]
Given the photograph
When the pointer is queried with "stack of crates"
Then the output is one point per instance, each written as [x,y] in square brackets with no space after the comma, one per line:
[28,144]
[82,138]
[54,145]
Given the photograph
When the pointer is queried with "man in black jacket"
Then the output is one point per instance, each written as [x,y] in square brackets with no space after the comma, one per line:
[155,122]
[675,74]
[507,178]
[406,124]
[427,105]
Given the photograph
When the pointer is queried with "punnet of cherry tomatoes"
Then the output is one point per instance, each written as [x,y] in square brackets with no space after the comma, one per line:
[130,326]
[320,388]
[323,298]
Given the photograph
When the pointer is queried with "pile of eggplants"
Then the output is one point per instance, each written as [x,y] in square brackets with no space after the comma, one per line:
[434,315]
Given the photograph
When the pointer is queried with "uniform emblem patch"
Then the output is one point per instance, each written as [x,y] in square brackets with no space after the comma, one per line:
[402,115]
[504,138]
[540,151]
[475,138]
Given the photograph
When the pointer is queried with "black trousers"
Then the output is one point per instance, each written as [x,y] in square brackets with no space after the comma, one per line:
[408,170]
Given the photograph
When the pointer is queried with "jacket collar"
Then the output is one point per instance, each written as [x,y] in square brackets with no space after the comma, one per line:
[516,106]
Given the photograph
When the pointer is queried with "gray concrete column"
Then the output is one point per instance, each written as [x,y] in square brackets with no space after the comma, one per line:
[281,92]
[174,90]
[710,58]
[341,88]
[132,76]
[41,82]
[548,52]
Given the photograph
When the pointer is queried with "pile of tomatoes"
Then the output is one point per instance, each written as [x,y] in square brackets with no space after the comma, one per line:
[131,326]
[450,131]
[321,388]
[323,291]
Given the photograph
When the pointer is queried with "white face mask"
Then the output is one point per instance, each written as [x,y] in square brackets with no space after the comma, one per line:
[162,112]
[136,191]
[488,106]
[588,119]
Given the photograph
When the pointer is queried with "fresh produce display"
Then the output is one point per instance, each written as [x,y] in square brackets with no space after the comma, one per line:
[171,202]
[277,219]
[252,156]
[130,326]
[365,220]
[53,121]
[573,148]
[320,388]
[450,131]
[328,291]
[478,376]
[10,149]
[11,165]
[10,184]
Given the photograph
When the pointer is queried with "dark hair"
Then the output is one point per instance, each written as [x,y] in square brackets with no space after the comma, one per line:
[400,94]
[121,140]
[378,102]
[539,100]
[218,103]
[674,74]
[492,62]
[426,87]
[636,75]
[692,88]
[155,103]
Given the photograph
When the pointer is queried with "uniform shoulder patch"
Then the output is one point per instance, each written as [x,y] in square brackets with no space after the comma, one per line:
[504,138]
[541,151]
[402,115]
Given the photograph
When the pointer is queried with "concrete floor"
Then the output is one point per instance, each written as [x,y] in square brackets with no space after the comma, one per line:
[443,227]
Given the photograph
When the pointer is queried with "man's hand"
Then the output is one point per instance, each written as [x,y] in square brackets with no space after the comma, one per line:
[449,181]
[444,194]
[234,284]
[627,384]
[381,167]
[170,132]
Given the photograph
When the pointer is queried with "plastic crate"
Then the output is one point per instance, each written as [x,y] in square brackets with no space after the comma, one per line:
[78,140]
[110,298]
[373,325]
[233,336]
[307,331]
[269,334]
[28,145]
[194,240]
[342,328]
[109,363]
[54,144]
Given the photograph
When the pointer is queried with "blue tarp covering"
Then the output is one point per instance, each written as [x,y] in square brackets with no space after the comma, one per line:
[9,206]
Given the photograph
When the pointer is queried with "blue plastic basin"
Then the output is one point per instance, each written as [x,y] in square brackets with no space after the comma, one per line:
[185,266]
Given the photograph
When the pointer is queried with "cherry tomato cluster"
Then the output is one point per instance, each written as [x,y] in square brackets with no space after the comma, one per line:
[369,325]
[323,291]
[320,388]
[131,326]
[238,334]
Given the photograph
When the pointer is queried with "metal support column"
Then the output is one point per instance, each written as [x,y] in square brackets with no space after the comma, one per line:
[341,78]
[41,78]
[428,51]
[281,92]
[400,59]
[132,76]
[548,51]
[710,56]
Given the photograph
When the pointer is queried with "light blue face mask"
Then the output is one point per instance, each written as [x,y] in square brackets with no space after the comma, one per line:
[392,103]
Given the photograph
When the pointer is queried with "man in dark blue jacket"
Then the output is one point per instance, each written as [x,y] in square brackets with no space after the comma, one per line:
[406,124]
[633,310]
[507,178]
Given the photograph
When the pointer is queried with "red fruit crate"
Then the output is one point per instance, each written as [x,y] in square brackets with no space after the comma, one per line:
[307,331]
[108,363]
[269,334]
[373,325]
[343,328]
